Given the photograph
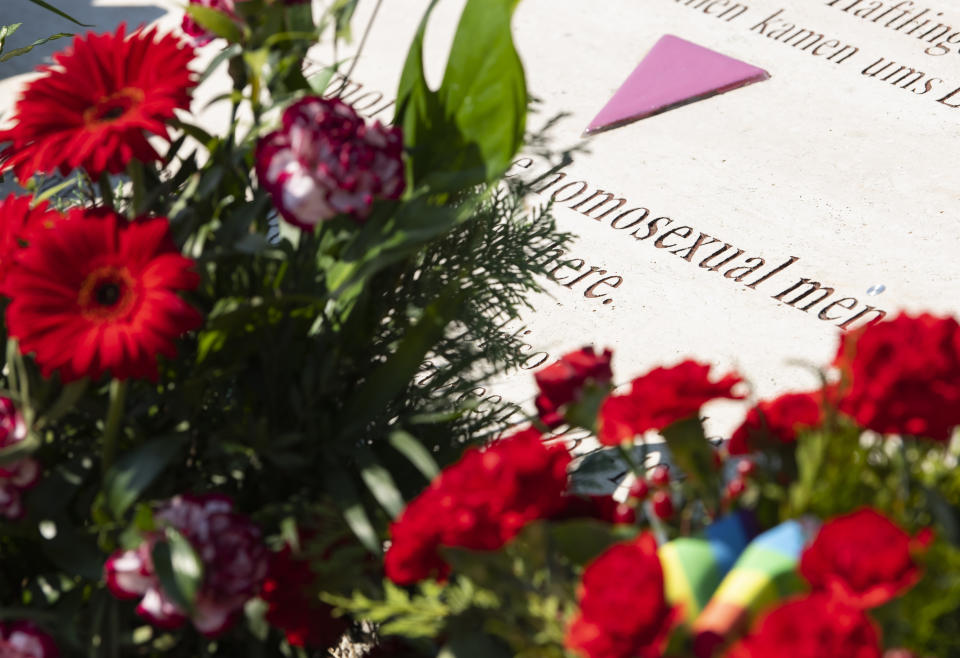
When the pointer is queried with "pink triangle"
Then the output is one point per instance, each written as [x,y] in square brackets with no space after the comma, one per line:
[673,73]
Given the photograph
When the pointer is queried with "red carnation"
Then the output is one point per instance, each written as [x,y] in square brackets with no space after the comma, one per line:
[325,161]
[98,294]
[19,475]
[17,219]
[290,592]
[480,502]
[561,383]
[777,420]
[862,558]
[623,609]
[97,106]
[813,626]
[22,639]
[659,398]
[903,376]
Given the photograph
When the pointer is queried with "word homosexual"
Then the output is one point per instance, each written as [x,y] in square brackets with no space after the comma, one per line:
[693,246]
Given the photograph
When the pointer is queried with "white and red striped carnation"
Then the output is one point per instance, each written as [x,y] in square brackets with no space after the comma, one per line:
[326,161]
[234,563]
[17,476]
[22,639]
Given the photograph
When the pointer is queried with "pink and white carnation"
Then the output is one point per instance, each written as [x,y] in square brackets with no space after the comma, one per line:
[326,161]
[228,544]
[21,639]
[17,476]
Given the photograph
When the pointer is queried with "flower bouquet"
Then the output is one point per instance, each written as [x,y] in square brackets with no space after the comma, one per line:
[243,407]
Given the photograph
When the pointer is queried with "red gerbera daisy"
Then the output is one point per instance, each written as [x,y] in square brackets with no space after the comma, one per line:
[98,294]
[94,108]
[16,219]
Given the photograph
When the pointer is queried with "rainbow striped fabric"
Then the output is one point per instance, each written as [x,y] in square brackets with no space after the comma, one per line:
[725,577]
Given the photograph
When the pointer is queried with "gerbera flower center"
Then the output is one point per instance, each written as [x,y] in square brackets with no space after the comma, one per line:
[112,107]
[107,293]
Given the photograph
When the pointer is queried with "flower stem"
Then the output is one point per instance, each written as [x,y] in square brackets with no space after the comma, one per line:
[111,428]
[631,462]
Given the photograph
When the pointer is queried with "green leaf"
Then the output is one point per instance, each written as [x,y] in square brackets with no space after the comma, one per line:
[407,445]
[387,239]
[74,553]
[49,7]
[196,132]
[343,12]
[582,540]
[137,470]
[484,83]
[352,509]
[467,131]
[179,568]
[380,482]
[693,455]
[215,22]
[25,49]
[232,50]
[6,31]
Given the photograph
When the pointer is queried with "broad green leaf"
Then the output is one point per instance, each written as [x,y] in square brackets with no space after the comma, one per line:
[49,7]
[407,445]
[466,132]
[137,470]
[484,83]
[215,22]
[25,49]
[179,568]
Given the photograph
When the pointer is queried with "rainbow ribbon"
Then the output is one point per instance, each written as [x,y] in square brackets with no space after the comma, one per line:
[724,578]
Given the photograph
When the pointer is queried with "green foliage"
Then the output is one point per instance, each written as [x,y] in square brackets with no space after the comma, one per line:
[927,618]
[502,603]
[336,372]
[421,614]
[477,118]
[692,452]
[137,470]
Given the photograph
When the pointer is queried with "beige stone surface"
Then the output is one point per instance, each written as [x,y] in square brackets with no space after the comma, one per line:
[849,173]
